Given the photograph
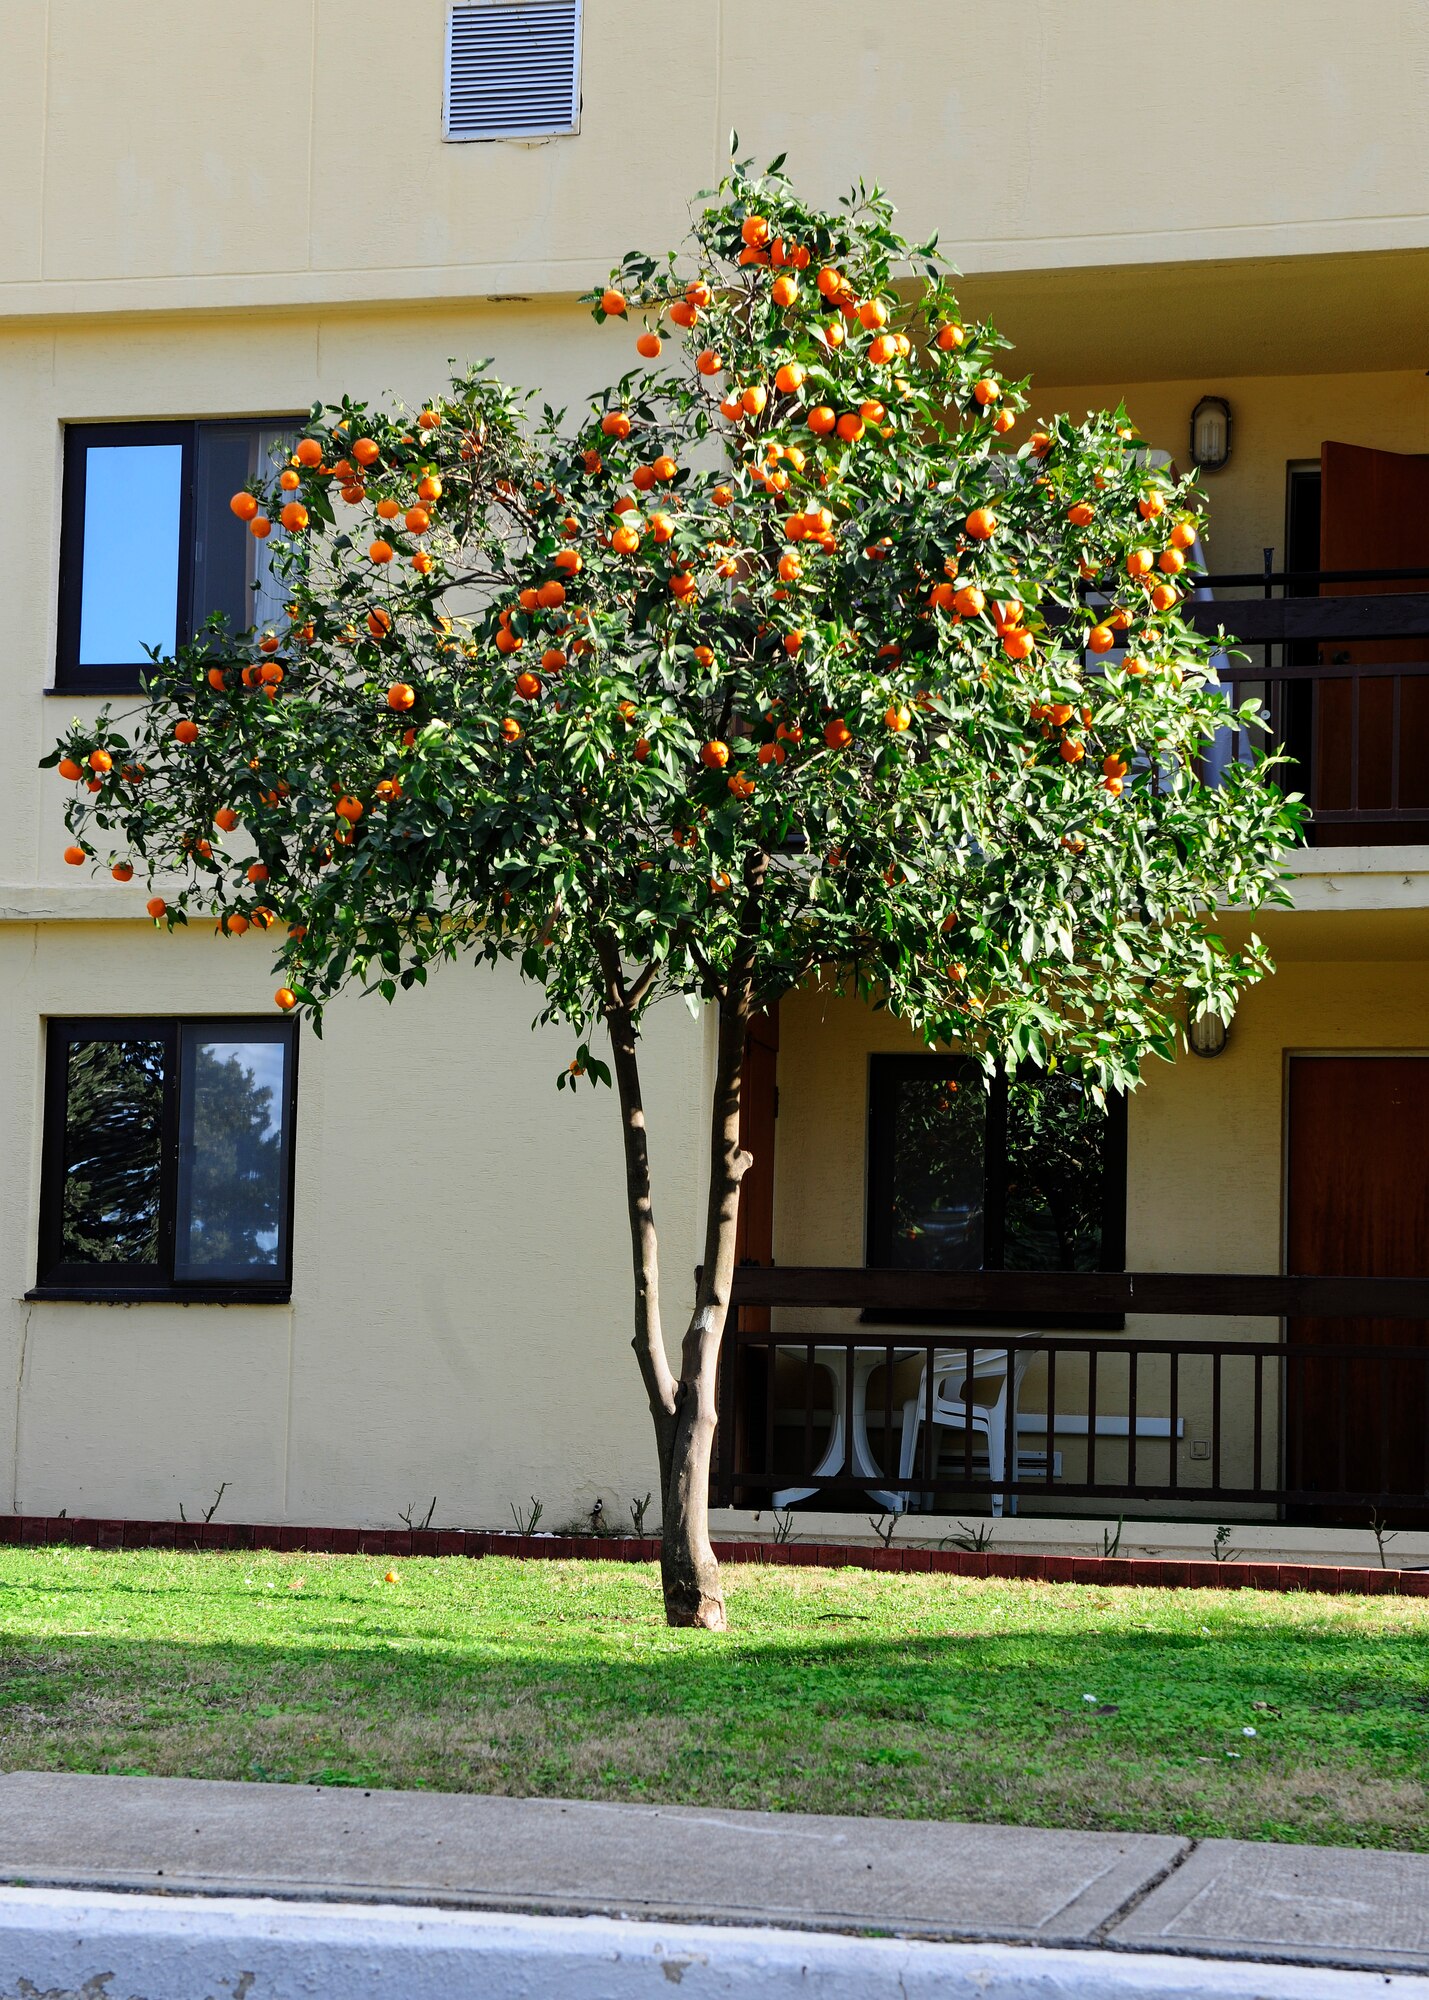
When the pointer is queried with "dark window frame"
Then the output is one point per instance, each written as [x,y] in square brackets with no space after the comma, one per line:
[884,1073]
[134,1283]
[70,677]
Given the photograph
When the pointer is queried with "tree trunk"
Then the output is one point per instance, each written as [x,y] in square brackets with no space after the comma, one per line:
[689,1572]
[648,1340]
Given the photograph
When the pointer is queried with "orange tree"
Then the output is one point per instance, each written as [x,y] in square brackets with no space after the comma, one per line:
[776,661]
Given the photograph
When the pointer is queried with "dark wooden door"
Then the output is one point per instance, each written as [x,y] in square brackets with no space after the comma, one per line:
[1369,733]
[1358,1206]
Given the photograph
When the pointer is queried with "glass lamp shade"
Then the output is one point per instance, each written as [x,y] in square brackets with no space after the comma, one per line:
[1211,432]
[1207,1035]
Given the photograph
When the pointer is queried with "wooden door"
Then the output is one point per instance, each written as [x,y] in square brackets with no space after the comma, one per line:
[1369,733]
[1358,1206]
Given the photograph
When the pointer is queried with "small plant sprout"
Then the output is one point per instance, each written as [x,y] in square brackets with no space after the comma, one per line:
[526,1519]
[974,1540]
[1383,1534]
[1111,1543]
[783,1527]
[638,1510]
[212,1507]
[1221,1551]
[408,1516]
[885,1526]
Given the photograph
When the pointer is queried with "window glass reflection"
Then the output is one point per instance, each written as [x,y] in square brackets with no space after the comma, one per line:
[129,587]
[937,1184]
[1057,1141]
[232,1157]
[113,1160]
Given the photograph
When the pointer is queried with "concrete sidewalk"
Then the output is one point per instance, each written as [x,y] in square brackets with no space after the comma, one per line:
[912,1879]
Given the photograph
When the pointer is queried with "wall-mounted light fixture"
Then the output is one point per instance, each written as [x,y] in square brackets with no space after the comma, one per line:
[1211,433]
[1207,1035]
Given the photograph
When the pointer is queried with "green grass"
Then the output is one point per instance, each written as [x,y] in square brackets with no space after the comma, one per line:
[836,1690]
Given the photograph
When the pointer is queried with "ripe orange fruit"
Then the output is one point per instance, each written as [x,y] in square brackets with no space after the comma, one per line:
[353,492]
[1081,513]
[100,762]
[349,808]
[1100,639]
[790,567]
[625,541]
[649,345]
[380,551]
[510,728]
[708,362]
[643,478]
[1071,751]
[379,622]
[714,755]
[897,717]
[753,399]
[225,819]
[186,731]
[285,998]
[156,906]
[418,520]
[289,480]
[401,696]
[258,873]
[661,526]
[641,749]
[850,427]
[244,506]
[784,290]
[664,467]
[235,924]
[1138,562]
[1149,506]
[704,657]
[722,496]
[821,419]
[67,768]
[792,642]
[948,336]
[873,314]
[551,595]
[834,334]
[987,390]
[612,301]
[683,313]
[981,524]
[388,510]
[615,424]
[837,734]
[883,350]
[308,452]
[1003,422]
[1183,535]
[507,641]
[429,488]
[423,563]
[969,601]
[527,686]
[122,871]
[740,786]
[754,231]
[1164,596]
[1170,560]
[260,527]
[567,561]
[682,586]
[1018,644]
[830,282]
[366,451]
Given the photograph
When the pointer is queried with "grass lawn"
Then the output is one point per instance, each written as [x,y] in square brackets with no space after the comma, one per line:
[837,1690]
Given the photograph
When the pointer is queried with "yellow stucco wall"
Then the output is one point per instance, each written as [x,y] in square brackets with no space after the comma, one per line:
[292,148]
[460,1318]
[214,211]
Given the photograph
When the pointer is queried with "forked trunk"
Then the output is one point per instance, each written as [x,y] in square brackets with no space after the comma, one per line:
[689,1572]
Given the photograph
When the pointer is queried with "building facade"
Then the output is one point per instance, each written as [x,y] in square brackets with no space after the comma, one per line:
[215,218]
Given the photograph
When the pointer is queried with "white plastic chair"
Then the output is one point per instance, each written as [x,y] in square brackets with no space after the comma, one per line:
[958,1406]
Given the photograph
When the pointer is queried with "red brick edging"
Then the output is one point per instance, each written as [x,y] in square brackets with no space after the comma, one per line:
[40,1530]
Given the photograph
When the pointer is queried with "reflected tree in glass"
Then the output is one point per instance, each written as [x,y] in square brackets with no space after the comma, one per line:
[1056,1152]
[114,1114]
[938,1192]
[232,1158]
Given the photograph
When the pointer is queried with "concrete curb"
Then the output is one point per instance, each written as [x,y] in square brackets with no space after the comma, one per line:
[48,1531]
[69,1946]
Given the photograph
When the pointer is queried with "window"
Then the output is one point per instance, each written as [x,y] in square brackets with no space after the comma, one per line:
[148,547]
[168,1159]
[1027,1175]
[513,69]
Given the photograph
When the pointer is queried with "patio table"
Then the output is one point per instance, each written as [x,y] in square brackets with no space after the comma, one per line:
[848,1449]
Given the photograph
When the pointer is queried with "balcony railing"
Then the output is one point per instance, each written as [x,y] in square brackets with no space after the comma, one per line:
[1341,659]
[1309,1428]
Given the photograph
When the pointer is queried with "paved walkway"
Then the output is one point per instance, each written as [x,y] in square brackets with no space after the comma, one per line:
[913,1879]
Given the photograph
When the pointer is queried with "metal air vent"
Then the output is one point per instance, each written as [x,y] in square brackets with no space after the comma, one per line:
[513,69]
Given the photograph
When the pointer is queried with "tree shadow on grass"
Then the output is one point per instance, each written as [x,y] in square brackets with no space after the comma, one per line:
[1258,1731]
